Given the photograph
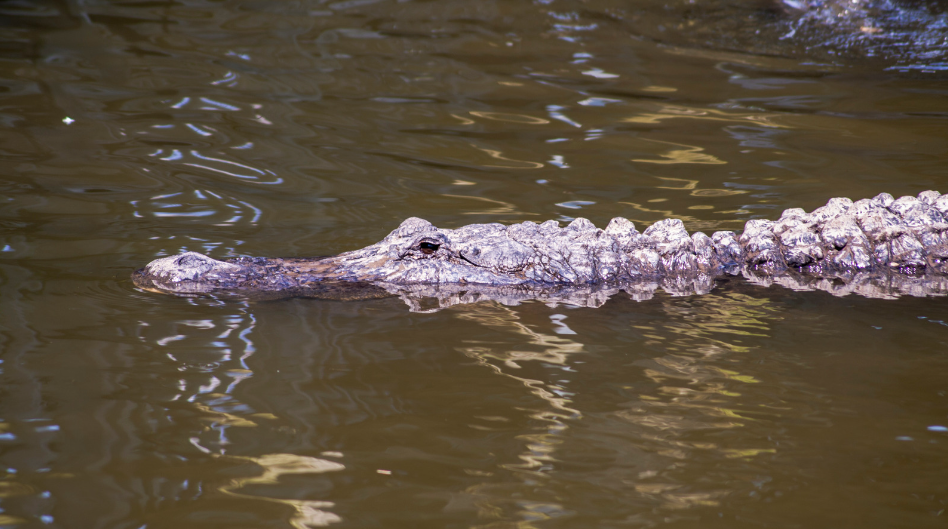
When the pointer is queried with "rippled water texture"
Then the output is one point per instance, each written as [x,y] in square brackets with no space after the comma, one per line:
[133,130]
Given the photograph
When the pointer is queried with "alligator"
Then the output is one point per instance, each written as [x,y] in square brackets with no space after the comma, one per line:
[879,247]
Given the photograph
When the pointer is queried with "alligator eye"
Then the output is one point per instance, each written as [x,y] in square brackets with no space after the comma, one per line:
[428,248]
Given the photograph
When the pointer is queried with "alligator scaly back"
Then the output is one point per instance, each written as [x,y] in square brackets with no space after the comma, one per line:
[879,247]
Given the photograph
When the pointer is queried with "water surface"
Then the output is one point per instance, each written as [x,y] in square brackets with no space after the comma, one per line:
[134,130]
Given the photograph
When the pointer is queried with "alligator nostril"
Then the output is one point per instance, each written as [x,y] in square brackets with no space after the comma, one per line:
[428,248]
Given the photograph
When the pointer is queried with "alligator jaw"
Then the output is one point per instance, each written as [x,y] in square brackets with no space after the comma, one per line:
[187,273]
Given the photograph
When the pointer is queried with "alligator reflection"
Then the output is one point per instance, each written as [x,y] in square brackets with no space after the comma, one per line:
[209,375]
[554,350]
[653,430]
[431,298]
[211,356]
[553,418]
[428,298]
[693,399]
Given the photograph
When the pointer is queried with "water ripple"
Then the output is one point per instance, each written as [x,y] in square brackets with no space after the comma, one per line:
[212,207]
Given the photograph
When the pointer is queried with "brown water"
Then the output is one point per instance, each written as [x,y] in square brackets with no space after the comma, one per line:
[132,130]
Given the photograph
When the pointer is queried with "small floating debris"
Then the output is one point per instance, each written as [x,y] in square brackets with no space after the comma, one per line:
[68,120]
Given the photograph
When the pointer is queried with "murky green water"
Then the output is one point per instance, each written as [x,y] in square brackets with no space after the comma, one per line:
[132,130]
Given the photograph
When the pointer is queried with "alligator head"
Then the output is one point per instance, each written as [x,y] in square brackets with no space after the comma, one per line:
[417,252]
